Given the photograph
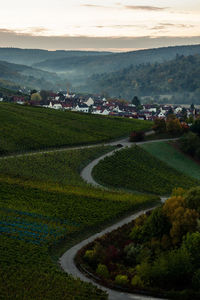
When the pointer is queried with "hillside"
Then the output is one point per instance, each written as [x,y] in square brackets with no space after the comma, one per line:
[26,128]
[115,61]
[31,56]
[179,77]
[22,75]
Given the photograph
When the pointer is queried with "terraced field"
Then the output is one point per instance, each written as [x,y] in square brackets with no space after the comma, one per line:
[135,169]
[44,206]
[25,128]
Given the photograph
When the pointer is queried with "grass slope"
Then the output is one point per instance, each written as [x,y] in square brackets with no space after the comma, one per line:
[174,158]
[135,169]
[27,128]
[45,205]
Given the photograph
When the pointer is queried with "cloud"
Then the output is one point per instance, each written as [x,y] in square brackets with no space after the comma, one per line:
[162,26]
[12,38]
[145,7]
[95,6]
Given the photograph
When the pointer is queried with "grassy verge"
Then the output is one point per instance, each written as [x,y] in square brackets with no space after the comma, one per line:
[166,152]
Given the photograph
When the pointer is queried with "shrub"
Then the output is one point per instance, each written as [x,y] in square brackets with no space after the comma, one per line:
[131,252]
[196,127]
[192,244]
[137,282]
[159,125]
[89,256]
[173,126]
[102,271]
[196,280]
[136,136]
[121,280]
[189,143]
[192,199]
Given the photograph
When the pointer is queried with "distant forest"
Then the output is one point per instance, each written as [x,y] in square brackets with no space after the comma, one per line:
[167,75]
[175,81]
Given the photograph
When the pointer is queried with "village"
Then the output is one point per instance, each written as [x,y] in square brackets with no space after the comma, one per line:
[100,105]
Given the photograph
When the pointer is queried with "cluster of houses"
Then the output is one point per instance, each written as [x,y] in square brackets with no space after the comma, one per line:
[99,105]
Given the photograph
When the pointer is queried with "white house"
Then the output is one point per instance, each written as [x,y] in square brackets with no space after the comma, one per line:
[161,115]
[57,106]
[178,109]
[82,108]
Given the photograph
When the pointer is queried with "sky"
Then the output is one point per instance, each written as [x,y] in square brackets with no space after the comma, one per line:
[114,25]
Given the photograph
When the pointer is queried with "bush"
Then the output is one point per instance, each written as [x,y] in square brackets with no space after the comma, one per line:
[102,271]
[137,282]
[196,280]
[196,127]
[121,280]
[192,199]
[131,252]
[89,256]
[159,125]
[173,126]
[136,136]
[192,244]
[189,143]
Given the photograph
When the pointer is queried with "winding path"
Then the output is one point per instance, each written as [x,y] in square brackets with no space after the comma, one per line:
[67,259]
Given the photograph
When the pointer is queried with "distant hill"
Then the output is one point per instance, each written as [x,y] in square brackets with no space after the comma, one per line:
[89,65]
[21,75]
[179,78]
[32,56]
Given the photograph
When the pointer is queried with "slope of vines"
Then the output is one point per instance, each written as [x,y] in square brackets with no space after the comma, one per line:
[135,169]
[24,128]
[44,205]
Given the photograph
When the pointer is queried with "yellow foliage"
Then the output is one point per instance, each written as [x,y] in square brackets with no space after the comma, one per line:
[182,219]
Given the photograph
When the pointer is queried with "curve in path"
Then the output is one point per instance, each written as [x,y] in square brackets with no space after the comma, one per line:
[68,265]
[67,259]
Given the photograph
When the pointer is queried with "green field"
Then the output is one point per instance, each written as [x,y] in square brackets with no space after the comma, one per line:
[135,169]
[45,207]
[174,158]
[25,128]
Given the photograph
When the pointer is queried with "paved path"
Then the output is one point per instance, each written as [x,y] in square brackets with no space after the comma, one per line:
[67,260]
[68,265]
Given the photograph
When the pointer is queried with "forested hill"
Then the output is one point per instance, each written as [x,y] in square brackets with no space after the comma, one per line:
[180,76]
[12,75]
[31,56]
[89,65]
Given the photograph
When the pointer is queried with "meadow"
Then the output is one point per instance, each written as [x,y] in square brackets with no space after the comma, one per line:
[25,128]
[137,170]
[45,208]
[166,152]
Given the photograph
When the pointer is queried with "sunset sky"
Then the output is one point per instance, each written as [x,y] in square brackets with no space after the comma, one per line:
[99,24]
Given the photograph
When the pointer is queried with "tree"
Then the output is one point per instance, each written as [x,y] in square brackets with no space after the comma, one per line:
[159,125]
[192,106]
[196,127]
[182,218]
[192,244]
[136,101]
[33,92]
[173,126]
[36,97]
[44,95]
[192,199]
